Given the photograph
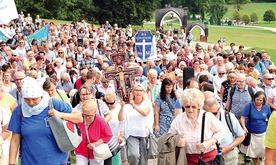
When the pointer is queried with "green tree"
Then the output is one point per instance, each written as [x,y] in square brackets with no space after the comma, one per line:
[124,12]
[236,16]
[269,16]
[245,18]
[217,9]
[253,17]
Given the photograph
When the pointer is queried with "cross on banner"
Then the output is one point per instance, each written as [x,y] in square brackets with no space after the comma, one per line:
[144,52]
[123,77]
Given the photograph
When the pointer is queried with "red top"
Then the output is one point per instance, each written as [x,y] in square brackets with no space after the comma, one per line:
[98,129]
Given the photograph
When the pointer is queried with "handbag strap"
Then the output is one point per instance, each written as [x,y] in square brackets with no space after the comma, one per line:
[99,109]
[86,131]
[169,104]
[202,131]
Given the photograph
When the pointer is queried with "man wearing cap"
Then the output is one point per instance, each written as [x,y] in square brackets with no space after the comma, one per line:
[164,63]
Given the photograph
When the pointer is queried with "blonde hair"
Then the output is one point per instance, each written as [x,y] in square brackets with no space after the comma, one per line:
[145,96]
[89,105]
[110,95]
[192,95]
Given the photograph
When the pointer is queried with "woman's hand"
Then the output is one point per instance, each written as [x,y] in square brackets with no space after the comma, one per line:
[245,130]
[91,146]
[182,141]
[204,146]
[157,128]
[120,140]
[53,112]
[122,103]
[131,102]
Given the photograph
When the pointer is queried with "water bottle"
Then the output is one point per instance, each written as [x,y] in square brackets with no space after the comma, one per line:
[219,151]
[69,162]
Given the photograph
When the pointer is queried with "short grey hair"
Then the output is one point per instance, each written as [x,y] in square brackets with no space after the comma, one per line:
[211,102]
[153,71]
[192,95]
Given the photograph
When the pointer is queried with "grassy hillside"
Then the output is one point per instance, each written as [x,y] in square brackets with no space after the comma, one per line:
[258,8]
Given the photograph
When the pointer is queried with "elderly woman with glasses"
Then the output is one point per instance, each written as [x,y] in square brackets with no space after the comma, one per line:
[137,117]
[219,78]
[29,60]
[189,125]
[94,130]
[85,93]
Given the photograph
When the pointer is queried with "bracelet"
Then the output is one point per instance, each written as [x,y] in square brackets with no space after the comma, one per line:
[134,106]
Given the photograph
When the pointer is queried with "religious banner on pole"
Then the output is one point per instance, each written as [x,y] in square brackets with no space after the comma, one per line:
[145,45]
[123,77]
[8,11]
[40,35]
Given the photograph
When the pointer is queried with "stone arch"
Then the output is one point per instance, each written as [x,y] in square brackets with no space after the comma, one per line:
[181,14]
[203,29]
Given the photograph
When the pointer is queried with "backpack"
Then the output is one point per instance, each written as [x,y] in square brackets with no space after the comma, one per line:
[76,56]
[232,91]
[228,122]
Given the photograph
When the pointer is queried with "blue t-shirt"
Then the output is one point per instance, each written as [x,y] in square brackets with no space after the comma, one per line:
[177,104]
[38,144]
[257,119]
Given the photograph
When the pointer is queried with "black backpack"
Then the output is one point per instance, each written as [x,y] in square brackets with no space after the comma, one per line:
[232,91]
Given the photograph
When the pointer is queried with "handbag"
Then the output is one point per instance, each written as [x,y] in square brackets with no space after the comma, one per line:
[152,146]
[218,159]
[114,146]
[247,138]
[67,134]
[101,152]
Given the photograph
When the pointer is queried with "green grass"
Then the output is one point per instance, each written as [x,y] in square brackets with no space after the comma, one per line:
[258,8]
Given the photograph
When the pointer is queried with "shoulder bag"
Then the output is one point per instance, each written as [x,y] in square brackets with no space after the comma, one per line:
[101,152]
[66,133]
[247,138]
[219,159]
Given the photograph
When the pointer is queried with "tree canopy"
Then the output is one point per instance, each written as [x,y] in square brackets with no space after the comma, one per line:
[121,12]
[269,16]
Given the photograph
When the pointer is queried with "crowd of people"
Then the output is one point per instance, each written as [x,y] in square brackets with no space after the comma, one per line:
[233,89]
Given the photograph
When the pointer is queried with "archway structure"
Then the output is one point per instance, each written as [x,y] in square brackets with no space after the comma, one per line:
[181,14]
[203,27]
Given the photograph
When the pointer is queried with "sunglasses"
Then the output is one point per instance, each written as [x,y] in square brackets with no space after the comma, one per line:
[108,103]
[85,115]
[270,78]
[60,52]
[69,67]
[188,106]
[215,113]
[33,69]
[157,61]
[221,73]
[14,55]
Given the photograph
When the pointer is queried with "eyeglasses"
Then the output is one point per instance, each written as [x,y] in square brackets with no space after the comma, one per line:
[19,79]
[240,81]
[104,82]
[270,78]
[221,73]
[188,106]
[89,116]
[21,42]
[60,52]
[194,54]
[85,94]
[108,103]
[157,61]
[215,113]
[33,69]
[109,51]
[69,67]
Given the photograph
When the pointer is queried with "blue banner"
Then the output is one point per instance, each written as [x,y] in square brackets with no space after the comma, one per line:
[40,35]
[3,37]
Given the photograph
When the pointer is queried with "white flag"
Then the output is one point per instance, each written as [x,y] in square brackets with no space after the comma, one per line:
[8,11]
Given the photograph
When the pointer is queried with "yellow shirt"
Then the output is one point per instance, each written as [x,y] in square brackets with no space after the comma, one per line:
[270,140]
[62,96]
[7,102]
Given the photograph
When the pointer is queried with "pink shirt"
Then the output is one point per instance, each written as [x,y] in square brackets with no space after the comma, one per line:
[213,128]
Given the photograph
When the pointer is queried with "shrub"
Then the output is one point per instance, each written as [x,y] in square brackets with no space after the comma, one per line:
[245,19]
[236,16]
[253,17]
